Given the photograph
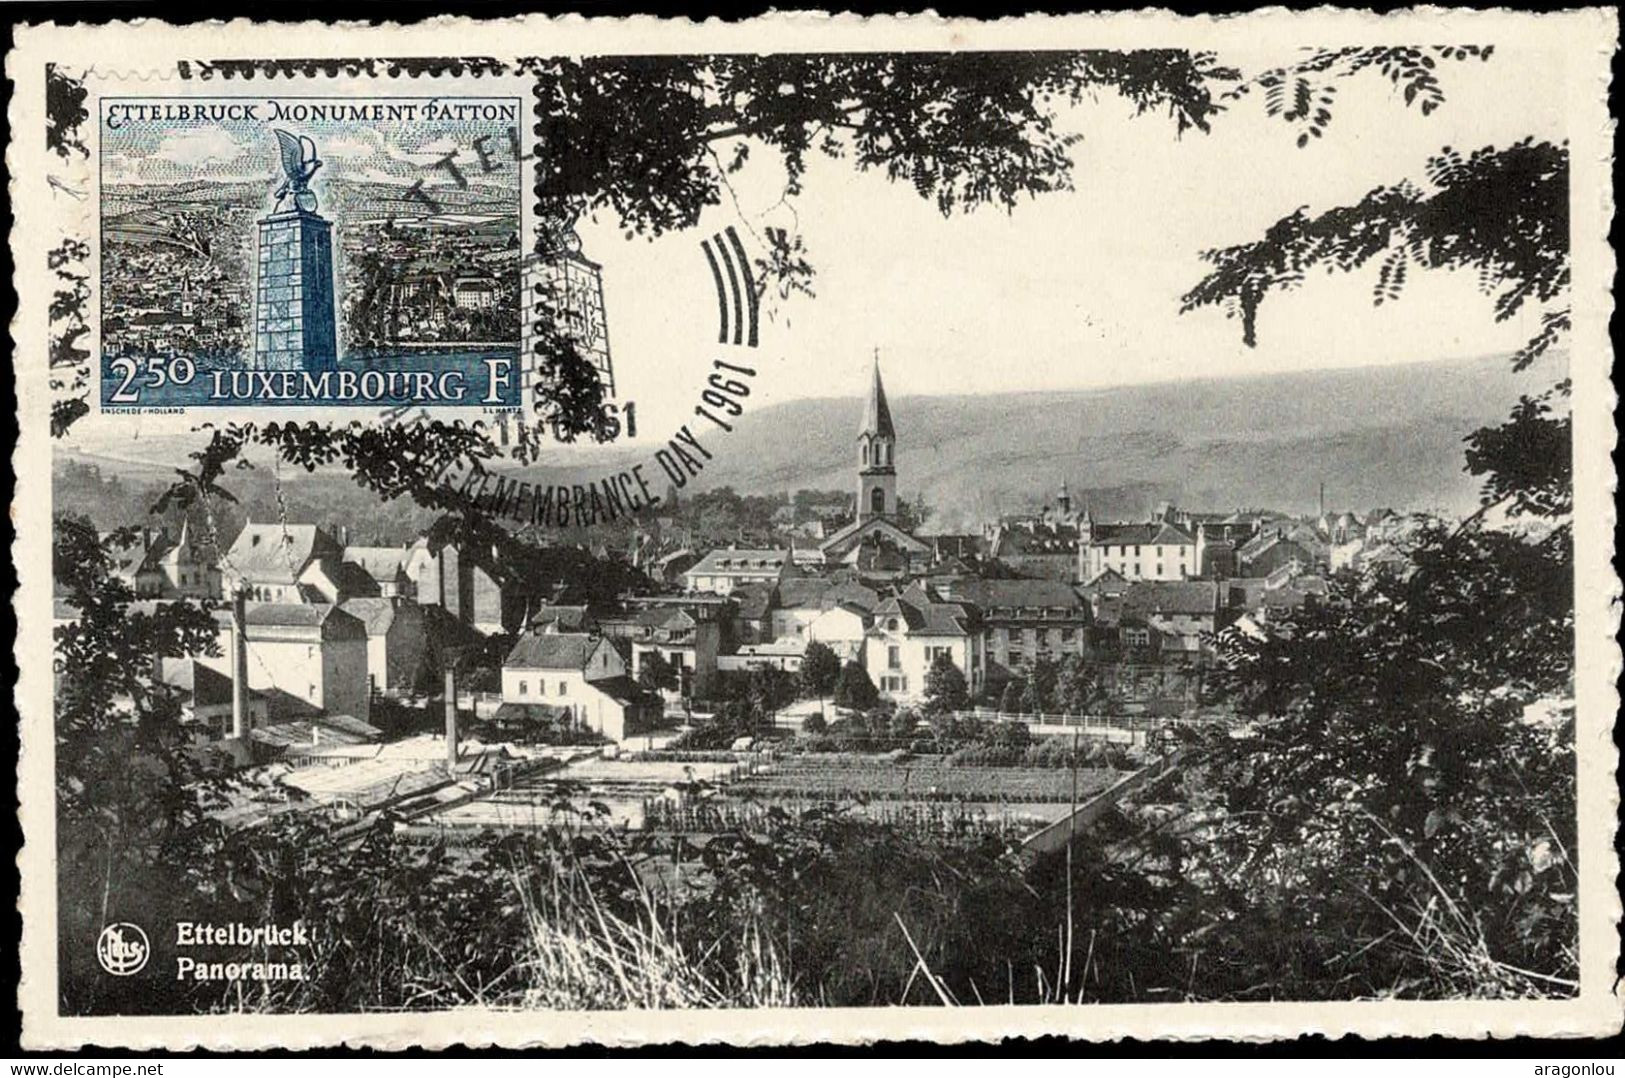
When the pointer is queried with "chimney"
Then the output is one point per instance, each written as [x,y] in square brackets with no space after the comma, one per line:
[239,665]
[451,717]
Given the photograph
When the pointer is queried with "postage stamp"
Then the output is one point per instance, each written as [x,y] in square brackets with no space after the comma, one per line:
[815,529]
[284,250]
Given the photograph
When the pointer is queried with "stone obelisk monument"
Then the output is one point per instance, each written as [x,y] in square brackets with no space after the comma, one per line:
[293,310]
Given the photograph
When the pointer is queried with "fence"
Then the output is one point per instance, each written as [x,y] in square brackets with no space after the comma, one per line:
[1128,723]
[482,704]
[715,816]
[1138,723]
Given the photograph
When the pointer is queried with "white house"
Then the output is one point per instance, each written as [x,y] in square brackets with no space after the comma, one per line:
[835,613]
[842,629]
[396,641]
[908,634]
[155,566]
[284,563]
[314,652]
[183,567]
[720,571]
[581,673]
[1156,550]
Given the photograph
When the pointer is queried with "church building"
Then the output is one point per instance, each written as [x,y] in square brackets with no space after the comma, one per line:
[875,543]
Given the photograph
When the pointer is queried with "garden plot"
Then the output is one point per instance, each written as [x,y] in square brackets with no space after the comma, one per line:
[563,796]
[858,778]
[917,794]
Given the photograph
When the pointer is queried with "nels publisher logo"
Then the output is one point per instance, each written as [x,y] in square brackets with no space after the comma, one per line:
[122,949]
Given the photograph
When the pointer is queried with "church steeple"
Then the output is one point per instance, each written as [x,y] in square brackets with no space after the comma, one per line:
[877,416]
[877,443]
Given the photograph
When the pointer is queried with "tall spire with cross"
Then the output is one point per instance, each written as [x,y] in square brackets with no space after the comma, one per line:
[877,443]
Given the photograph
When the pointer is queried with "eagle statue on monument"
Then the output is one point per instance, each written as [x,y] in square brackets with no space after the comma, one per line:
[300,162]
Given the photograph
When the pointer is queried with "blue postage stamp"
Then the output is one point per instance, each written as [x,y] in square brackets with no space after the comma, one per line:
[311,251]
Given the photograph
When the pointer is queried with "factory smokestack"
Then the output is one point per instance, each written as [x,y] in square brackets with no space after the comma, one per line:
[451,717]
[239,665]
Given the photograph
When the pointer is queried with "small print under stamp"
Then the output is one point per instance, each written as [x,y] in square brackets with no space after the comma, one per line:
[310,251]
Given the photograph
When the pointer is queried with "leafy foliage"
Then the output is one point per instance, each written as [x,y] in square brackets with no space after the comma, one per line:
[1302,93]
[723,515]
[854,689]
[1501,213]
[635,134]
[768,689]
[1077,685]
[945,686]
[65,113]
[1413,764]
[125,810]
[1528,462]
[656,674]
[820,668]
[1038,684]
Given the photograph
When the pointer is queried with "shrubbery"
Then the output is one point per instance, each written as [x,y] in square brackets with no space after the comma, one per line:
[1052,752]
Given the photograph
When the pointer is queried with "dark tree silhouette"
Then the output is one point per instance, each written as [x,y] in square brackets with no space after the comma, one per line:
[820,666]
[1038,686]
[1502,213]
[129,818]
[655,674]
[854,690]
[1077,685]
[1413,761]
[1413,769]
[945,686]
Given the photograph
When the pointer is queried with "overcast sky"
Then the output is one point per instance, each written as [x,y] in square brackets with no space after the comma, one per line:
[1082,289]
[1071,290]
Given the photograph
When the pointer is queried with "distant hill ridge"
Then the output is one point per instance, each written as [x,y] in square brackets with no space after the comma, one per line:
[364,196]
[1374,436]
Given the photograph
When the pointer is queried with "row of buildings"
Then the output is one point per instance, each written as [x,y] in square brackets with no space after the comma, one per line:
[171,282]
[1035,586]
[330,626]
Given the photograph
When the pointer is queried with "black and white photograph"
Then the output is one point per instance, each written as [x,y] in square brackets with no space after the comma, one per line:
[1006,528]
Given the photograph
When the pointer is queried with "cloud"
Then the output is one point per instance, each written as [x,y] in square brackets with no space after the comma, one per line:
[357,144]
[368,154]
[198,146]
[371,174]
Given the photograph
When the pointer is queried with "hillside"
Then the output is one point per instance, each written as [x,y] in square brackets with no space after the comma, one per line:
[1374,436]
[365,198]
[1388,436]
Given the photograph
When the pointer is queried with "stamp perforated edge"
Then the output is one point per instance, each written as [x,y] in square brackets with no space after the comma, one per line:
[183,80]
